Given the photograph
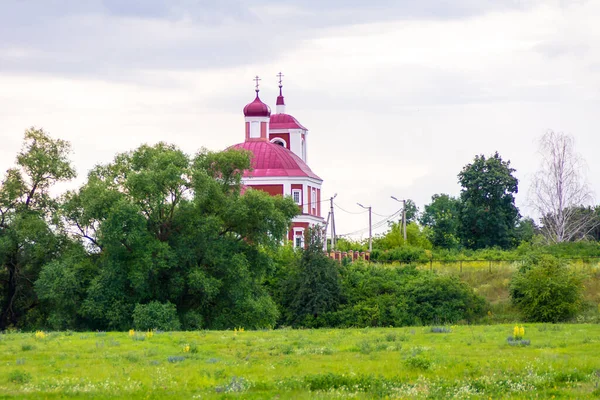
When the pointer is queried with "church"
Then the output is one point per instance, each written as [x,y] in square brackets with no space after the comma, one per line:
[278,143]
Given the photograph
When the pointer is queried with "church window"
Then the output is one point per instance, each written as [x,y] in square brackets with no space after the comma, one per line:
[279,141]
[297,196]
[298,241]
[314,199]
[254,129]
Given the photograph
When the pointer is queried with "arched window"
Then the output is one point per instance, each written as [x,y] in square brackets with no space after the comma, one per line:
[279,141]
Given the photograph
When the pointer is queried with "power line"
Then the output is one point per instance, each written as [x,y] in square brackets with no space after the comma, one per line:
[349,212]
[378,224]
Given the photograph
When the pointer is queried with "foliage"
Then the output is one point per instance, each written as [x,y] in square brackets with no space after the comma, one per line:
[379,296]
[156,315]
[313,287]
[404,254]
[441,216]
[394,238]
[546,290]
[412,211]
[488,213]
[438,298]
[27,240]
[161,226]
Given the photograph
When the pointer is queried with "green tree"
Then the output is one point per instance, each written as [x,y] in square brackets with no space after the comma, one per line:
[28,239]
[164,227]
[488,213]
[442,217]
[412,211]
[415,236]
[314,288]
[546,290]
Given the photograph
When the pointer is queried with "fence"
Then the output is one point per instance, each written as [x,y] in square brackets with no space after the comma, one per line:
[579,263]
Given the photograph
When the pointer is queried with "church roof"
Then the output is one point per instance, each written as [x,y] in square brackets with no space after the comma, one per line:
[285,121]
[257,108]
[272,160]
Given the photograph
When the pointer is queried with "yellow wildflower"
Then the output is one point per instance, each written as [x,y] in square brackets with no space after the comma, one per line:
[186,348]
[522,332]
[40,335]
[132,332]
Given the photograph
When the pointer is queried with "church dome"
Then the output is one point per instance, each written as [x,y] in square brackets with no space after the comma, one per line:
[285,121]
[270,159]
[257,108]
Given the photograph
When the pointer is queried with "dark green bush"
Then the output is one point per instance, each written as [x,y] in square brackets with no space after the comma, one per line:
[156,315]
[404,254]
[442,299]
[546,290]
[379,296]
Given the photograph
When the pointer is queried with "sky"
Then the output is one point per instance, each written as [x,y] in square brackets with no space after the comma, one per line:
[398,95]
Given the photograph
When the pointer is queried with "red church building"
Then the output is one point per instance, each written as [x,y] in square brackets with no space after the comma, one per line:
[278,143]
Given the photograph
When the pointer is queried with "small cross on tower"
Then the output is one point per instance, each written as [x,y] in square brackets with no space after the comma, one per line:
[280,75]
[256,79]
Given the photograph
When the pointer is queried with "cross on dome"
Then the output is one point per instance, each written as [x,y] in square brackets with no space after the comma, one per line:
[280,100]
[256,79]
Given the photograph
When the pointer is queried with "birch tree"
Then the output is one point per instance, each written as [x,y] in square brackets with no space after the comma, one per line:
[559,190]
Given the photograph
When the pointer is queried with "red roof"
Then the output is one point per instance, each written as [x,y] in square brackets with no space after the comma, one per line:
[285,121]
[257,108]
[273,160]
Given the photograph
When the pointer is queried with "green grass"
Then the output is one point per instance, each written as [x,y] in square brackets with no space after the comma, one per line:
[468,361]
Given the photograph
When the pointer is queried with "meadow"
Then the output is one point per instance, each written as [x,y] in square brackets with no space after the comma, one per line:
[552,361]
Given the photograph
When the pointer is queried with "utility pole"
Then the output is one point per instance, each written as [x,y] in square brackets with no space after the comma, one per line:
[370,228]
[332,223]
[403,201]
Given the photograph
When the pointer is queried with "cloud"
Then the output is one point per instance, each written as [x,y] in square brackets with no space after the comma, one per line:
[115,39]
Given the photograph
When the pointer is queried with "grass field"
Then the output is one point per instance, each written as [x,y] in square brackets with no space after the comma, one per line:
[562,361]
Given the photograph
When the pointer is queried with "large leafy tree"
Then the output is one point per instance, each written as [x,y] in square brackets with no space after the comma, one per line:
[442,218]
[488,213]
[28,239]
[161,226]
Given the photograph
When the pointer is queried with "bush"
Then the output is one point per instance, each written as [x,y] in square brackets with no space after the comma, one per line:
[441,299]
[404,254]
[546,290]
[156,315]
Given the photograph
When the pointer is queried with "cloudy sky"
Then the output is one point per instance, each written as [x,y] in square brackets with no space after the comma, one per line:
[398,95]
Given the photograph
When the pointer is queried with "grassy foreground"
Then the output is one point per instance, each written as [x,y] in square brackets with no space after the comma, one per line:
[466,362]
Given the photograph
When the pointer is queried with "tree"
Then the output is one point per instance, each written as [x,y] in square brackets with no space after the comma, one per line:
[559,190]
[488,214]
[526,229]
[27,210]
[441,216]
[412,211]
[315,287]
[163,227]
[546,290]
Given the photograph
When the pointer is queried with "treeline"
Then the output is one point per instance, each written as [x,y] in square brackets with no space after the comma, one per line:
[159,239]
[483,223]
[154,226]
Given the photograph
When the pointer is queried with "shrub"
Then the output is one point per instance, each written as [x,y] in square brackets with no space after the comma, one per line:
[546,290]
[436,298]
[404,254]
[156,315]
[19,377]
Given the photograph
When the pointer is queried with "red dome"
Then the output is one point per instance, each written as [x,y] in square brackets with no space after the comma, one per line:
[285,121]
[257,108]
[270,159]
